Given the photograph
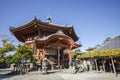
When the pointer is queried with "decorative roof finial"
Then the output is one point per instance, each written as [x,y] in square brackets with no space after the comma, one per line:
[35,17]
[49,20]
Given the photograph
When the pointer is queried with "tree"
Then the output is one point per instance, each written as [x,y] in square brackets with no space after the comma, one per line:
[97,46]
[23,52]
[90,48]
[6,47]
[8,59]
[106,40]
[117,36]
[76,53]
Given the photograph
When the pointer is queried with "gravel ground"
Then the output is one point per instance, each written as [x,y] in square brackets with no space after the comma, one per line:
[34,77]
[90,76]
[62,75]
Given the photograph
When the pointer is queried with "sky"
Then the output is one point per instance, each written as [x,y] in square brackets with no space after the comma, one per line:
[93,20]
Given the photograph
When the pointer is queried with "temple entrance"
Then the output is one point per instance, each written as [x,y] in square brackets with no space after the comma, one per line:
[56,58]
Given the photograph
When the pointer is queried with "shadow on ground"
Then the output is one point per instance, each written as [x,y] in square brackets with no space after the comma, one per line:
[8,75]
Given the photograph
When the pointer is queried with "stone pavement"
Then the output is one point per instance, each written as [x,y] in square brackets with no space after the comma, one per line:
[61,75]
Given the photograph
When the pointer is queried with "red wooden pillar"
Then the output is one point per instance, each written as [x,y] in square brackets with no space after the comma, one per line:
[70,55]
[43,56]
[38,54]
[63,59]
[58,56]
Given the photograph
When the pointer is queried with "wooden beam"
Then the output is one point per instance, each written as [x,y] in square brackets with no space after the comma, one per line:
[23,37]
[55,44]
[96,64]
[38,29]
[113,65]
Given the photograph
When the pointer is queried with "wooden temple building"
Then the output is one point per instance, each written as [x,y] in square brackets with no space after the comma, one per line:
[48,40]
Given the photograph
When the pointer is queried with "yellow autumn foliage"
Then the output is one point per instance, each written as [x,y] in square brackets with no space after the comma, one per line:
[102,53]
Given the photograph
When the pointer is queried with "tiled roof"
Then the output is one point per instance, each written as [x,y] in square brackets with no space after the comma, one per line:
[112,44]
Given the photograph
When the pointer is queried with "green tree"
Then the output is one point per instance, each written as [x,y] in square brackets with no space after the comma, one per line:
[6,47]
[90,48]
[8,59]
[23,52]
[76,53]
[117,36]
[106,40]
